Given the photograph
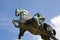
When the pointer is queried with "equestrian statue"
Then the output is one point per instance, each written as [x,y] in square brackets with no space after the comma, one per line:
[34,25]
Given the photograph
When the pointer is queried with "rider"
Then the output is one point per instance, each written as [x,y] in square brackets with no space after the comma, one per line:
[39,18]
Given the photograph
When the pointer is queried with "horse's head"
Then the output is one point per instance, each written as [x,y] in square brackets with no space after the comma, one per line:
[21,12]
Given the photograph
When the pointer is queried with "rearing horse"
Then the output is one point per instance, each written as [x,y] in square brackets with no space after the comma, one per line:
[46,32]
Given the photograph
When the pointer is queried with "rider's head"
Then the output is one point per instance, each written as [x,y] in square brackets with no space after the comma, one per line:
[40,18]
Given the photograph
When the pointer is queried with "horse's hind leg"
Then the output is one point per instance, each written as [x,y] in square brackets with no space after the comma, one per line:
[21,33]
[45,37]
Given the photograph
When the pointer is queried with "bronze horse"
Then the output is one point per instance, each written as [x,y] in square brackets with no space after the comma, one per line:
[31,26]
[45,31]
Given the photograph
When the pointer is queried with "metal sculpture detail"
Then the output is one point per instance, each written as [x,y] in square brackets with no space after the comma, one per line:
[35,25]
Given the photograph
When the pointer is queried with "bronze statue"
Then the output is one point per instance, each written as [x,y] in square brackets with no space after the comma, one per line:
[35,25]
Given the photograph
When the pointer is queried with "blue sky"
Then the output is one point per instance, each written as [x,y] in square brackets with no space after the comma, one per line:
[48,8]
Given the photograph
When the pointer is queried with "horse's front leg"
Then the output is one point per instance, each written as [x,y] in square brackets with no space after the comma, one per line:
[21,33]
[15,22]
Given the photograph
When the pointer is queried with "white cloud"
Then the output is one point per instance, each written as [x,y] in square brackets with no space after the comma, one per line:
[56,22]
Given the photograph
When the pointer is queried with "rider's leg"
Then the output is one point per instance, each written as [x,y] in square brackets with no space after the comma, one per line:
[52,35]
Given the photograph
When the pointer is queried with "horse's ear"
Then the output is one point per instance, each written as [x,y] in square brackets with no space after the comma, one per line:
[16,12]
